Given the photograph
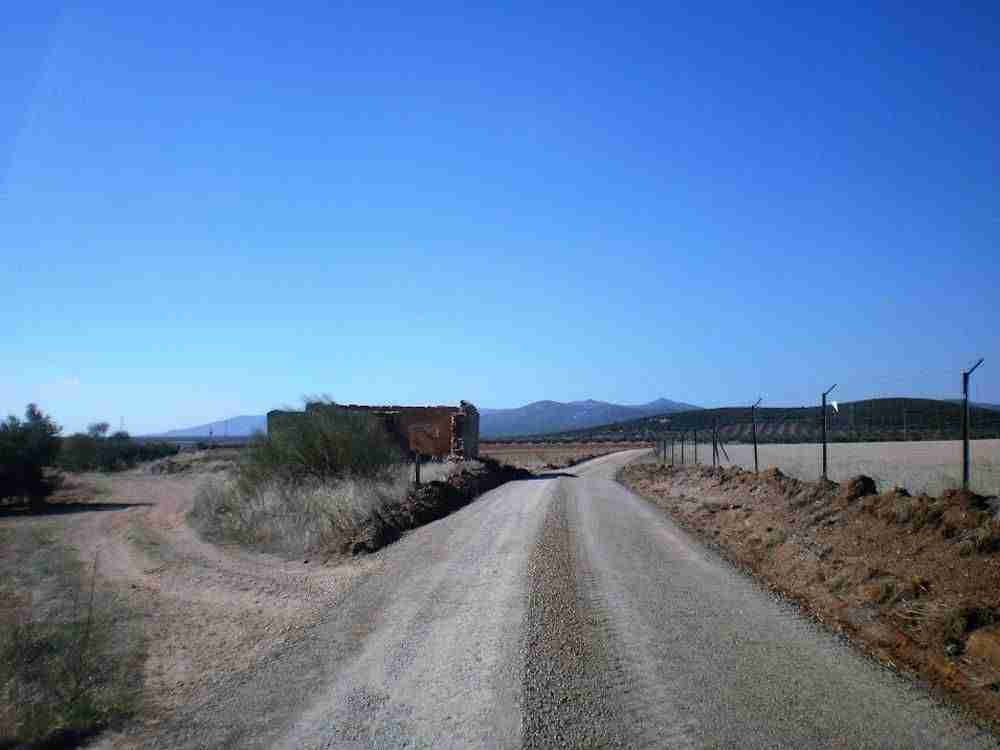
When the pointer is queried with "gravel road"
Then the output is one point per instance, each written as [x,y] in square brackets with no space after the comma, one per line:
[563,612]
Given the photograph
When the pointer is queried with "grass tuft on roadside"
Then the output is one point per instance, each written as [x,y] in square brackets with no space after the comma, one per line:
[71,655]
[335,484]
[340,515]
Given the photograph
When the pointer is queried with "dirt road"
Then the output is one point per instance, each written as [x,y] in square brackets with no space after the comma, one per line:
[560,611]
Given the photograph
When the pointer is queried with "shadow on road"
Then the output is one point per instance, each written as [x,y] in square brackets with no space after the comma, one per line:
[550,475]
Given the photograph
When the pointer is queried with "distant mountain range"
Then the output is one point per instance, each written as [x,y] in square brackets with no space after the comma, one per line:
[853,421]
[543,417]
[538,418]
[243,426]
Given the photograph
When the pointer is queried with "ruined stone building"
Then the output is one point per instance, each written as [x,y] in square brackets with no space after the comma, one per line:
[438,431]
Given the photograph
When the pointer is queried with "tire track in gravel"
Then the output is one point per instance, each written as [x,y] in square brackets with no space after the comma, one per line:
[647,704]
[569,700]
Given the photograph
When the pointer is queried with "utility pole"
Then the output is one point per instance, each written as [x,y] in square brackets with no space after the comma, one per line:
[825,394]
[965,423]
[753,425]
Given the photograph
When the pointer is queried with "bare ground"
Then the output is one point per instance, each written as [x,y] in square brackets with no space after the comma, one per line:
[208,612]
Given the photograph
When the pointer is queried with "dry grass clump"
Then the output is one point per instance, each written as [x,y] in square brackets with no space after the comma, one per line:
[307,488]
[292,518]
[297,518]
[71,659]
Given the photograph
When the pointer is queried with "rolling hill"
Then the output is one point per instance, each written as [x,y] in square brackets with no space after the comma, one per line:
[536,418]
[542,417]
[234,427]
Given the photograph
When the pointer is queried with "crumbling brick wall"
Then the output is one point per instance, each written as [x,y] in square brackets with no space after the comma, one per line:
[439,431]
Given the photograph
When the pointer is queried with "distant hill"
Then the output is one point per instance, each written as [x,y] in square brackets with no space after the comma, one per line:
[869,420]
[536,418]
[243,426]
[542,417]
[991,407]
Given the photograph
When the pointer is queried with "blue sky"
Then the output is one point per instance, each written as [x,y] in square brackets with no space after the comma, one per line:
[212,210]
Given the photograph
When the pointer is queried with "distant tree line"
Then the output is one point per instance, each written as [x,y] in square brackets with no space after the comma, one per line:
[32,452]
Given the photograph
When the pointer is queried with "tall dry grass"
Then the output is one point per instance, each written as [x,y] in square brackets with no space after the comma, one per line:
[66,671]
[299,518]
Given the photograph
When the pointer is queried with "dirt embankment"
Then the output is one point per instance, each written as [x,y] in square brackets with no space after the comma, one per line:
[430,502]
[915,581]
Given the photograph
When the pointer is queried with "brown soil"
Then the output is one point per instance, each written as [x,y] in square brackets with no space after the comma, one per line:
[914,581]
[430,502]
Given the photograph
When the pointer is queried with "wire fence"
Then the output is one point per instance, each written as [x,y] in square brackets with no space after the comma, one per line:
[913,443]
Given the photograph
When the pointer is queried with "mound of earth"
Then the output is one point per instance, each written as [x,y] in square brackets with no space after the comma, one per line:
[915,581]
[430,502]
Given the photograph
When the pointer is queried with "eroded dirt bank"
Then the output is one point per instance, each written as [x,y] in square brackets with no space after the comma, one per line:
[915,581]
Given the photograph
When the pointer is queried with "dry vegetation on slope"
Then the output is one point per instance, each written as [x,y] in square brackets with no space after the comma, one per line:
[914,580]
[72,651]
[344,515]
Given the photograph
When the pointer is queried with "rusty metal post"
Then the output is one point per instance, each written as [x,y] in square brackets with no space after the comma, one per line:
[416,468]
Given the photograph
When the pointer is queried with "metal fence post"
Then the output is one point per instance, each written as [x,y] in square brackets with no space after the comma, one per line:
[825,394]
[696,447]
[715,443]
[965,423]
[753,425]
[416,468]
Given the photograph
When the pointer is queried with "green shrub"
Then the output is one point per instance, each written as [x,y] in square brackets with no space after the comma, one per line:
[92,451]
[26,448]
[321,445]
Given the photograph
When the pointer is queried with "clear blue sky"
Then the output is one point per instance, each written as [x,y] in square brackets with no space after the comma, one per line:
[209,211]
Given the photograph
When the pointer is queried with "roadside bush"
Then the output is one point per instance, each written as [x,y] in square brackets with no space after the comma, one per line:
[92,451]
[323,445]
[27,447]
[294,518]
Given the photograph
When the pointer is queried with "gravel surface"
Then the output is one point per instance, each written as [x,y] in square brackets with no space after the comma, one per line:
[562,612]
[568,701]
